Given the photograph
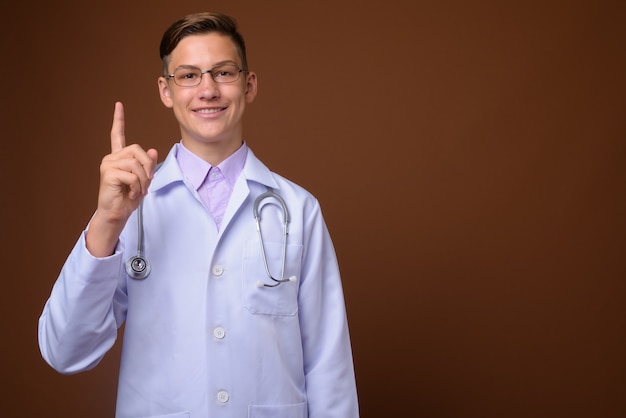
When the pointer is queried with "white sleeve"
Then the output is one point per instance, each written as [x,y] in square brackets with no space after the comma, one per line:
[330,381]
[79,321]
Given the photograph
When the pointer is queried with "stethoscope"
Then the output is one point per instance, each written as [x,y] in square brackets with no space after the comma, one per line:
[257,216]
[138,266]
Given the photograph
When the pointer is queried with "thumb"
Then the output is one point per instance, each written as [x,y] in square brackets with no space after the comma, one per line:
[154,156]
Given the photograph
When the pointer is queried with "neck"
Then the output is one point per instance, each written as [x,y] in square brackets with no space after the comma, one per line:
[213,152]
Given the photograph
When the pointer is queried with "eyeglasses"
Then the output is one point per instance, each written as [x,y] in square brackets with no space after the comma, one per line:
[188,76]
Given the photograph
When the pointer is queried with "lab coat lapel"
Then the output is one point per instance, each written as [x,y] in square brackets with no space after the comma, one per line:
[237,199]
[168,172]
[253,171]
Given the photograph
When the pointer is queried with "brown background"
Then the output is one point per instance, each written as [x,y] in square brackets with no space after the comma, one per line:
[469,158]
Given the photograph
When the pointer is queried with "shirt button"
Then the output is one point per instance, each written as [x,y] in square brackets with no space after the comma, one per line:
[218,270]
[219,333]
[222,396]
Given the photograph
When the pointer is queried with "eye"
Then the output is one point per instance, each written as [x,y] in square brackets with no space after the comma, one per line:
[188,75]
[223,72]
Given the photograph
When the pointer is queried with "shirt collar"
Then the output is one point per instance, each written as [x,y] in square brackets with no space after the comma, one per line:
[195,169]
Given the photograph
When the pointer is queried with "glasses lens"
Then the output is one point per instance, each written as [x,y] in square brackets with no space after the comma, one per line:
[225,73]
[187,77]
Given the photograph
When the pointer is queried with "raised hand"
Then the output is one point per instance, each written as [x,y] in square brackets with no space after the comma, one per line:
[125,175]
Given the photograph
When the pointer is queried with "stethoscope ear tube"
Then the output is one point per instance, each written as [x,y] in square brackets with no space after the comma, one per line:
[257,216]
[270,194]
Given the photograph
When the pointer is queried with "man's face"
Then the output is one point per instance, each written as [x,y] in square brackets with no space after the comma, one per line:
[209,114]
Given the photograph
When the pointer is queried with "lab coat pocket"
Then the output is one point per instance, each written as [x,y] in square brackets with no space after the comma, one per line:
[278,300]
[278,411]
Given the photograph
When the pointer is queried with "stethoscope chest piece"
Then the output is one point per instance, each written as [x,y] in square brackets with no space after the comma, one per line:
[138,267]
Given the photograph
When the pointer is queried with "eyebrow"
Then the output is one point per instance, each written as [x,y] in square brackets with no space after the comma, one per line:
[217,64]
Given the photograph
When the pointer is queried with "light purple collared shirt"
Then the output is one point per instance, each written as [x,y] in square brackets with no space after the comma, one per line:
[213,184]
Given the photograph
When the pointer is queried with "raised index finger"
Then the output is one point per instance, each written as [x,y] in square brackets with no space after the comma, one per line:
[118,138]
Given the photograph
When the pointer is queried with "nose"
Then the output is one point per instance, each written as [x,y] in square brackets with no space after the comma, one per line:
[208,88]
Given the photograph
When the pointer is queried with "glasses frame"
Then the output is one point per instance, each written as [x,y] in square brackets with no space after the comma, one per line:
[209,71]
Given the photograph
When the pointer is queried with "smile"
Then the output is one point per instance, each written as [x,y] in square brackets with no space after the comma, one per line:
[210,111]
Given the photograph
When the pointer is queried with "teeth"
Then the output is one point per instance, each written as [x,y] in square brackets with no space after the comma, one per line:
[208,111]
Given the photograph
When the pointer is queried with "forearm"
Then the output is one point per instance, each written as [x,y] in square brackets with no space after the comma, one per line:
[330,379]
[78,324]
[328,363]
[103,234]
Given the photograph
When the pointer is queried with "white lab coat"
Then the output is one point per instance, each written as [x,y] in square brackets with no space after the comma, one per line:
[201,339]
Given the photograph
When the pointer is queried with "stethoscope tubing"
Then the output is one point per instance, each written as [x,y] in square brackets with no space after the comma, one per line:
[257,216]
[138,267]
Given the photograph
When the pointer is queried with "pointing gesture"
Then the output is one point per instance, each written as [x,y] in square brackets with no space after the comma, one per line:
[125,175]
[118,137]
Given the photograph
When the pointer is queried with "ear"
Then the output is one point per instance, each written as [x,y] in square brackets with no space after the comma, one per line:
[251,87]
[164,92]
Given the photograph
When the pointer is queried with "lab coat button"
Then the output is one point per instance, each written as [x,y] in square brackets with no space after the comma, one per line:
[218,270]
[219,333]
[222,396]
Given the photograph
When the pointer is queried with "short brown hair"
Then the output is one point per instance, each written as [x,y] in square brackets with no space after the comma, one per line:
[201,23]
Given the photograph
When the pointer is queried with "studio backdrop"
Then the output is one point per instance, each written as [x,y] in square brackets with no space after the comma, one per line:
[469,158]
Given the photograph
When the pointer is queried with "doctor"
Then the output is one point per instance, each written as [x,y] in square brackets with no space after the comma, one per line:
[202,338]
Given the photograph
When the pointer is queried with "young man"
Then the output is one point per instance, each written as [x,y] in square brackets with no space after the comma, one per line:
[232,319]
